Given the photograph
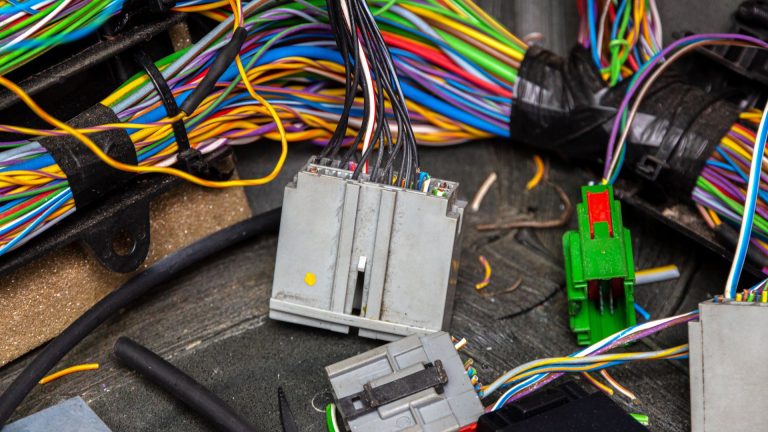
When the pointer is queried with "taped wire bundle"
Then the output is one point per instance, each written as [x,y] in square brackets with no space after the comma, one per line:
[30,28]
[454,92]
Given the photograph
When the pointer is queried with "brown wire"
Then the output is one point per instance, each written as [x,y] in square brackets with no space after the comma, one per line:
[565,216]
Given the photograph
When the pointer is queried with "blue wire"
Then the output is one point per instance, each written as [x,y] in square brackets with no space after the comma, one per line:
[644,313]
[735,168]
[619,13]
[753,188]
[55,205]
[593,32]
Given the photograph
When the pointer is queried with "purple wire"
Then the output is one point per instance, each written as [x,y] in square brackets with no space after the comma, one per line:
[616,343]
[647,70]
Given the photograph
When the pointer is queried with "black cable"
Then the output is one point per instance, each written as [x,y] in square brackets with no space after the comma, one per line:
[223,59]
[139,285]
[182,386]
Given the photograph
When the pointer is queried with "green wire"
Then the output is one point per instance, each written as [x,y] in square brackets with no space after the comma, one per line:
[641,418]
[161,64]
[29,208]
[329,417]
[385,8]
[703,183]
[4,198]
[31,19]
[78,19]
[616,62]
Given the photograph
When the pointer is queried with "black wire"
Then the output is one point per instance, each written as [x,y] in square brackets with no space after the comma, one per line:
[161,272]
[391,150]
[182,386]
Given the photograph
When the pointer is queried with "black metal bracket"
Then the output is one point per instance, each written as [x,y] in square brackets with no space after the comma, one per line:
[90,57]
[123,215]
[432,376]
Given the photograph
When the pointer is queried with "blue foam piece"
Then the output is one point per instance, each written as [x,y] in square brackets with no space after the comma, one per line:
[72,415]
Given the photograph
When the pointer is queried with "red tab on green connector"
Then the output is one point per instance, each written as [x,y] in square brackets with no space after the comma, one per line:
[599,209]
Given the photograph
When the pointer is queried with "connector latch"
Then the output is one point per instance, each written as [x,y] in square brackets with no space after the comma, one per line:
[599,268]
[415,384]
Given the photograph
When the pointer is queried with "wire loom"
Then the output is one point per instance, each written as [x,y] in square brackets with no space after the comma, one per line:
[563,105]
[89,178]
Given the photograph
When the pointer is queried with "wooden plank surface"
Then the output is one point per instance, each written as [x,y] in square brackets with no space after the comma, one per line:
[213,321]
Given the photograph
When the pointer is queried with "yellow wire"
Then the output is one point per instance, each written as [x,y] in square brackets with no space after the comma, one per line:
[597,383]
[493,43]
[715,218]
[202,7]
[487,278]
[645,272]
[615,384]
[140,169]
[495,24]
[618,356]
[533,182]
[68,371]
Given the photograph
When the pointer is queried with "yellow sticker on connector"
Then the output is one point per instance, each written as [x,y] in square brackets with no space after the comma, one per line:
[310,279]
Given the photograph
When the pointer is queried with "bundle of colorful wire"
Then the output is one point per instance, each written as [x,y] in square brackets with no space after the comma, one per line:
[620,34]
[30,28]
[531,376]
[722,187]
[457,68]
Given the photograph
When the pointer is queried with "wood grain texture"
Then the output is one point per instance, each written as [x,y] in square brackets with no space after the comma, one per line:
[213,322]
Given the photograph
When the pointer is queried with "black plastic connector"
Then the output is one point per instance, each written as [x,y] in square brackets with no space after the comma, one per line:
[565,408]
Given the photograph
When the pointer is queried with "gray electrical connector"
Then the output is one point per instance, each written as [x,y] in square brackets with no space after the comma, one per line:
[415,384]
[727,365]
[358,254]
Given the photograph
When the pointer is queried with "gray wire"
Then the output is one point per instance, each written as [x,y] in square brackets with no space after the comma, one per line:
[190,55]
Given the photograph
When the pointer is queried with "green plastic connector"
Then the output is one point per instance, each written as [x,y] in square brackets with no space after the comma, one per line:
[599,268]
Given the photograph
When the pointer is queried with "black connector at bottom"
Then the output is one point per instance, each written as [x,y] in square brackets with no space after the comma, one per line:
[565,408]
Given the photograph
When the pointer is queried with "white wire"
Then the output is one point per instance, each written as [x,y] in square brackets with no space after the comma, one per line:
[370,94]
[601,30]
[333,418]
[37,25]
[753,187]
[658,34]
[17,15]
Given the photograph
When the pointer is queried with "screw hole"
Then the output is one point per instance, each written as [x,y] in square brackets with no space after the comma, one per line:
[123,243]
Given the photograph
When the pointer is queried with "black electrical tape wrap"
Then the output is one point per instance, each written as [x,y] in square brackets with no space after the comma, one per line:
[150,280]
[223,59]
[676,130]
[189,157]
[180,385]
[565,106]
[555,102]
[88,176]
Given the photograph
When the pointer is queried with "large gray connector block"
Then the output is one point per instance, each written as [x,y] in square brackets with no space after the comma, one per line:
[415,384]
[728,356]
[358,254]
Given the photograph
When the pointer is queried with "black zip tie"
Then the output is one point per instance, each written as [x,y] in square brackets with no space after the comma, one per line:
[190,158]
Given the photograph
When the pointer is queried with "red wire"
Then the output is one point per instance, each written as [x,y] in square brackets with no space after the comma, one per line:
[25,204]
[470,428]
[441,60]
